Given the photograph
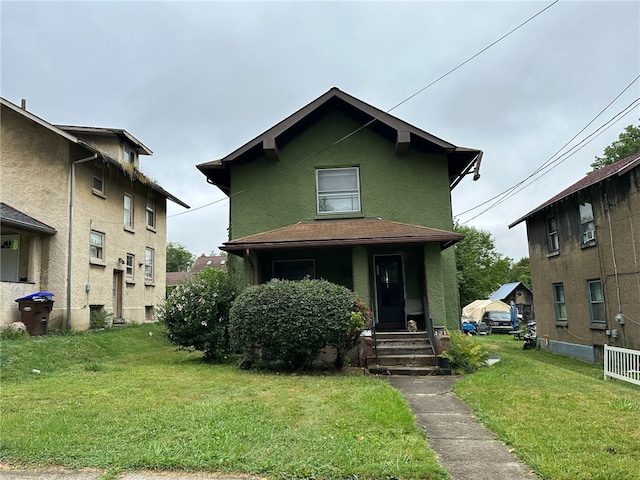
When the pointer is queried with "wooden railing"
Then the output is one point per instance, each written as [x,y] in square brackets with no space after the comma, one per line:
[622,363]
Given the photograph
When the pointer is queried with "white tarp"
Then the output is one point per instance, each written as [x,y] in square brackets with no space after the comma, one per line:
[476,309]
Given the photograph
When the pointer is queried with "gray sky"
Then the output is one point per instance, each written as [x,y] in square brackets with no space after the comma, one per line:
[195,80]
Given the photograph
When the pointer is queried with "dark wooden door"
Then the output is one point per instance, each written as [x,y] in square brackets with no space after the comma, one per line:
[389,292]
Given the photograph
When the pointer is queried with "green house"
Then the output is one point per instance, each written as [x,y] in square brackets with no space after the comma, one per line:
[343,191]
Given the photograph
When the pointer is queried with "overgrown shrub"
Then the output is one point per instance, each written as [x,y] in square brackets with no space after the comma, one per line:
[196,313]
[291,321]
[465,354]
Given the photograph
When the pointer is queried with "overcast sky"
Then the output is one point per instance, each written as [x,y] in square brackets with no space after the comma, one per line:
[194,81]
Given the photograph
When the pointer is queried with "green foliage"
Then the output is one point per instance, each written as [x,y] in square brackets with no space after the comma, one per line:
[10,333]
[291,321]
[627,144]
[465,354]
[481,269]
[521,272]
[179,259]
[361,317]
[196,313]
[100,319]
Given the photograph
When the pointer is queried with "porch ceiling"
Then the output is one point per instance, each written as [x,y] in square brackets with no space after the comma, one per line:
[332,233]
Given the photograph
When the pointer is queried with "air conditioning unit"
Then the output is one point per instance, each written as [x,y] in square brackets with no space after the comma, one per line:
[588,236]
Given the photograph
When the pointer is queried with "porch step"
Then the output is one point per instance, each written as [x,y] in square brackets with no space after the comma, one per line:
[403,353]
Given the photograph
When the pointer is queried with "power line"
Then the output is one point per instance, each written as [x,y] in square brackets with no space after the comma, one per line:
[331,145]
[550,160]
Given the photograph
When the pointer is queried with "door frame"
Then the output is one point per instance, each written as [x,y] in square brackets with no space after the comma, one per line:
[404,287]
[118,286]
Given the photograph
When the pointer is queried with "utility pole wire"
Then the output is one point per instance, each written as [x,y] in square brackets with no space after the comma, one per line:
[441,77]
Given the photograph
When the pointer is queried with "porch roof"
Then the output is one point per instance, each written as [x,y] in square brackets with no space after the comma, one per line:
[333,233]
[12,217]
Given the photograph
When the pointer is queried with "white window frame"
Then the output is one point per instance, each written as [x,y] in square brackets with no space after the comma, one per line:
[324,196]
[149,257]
[96,245]
[130,263]
[596,302]
[98,177]
[587,224]
[150,212]
[553,244]
[127,211]
[560,303]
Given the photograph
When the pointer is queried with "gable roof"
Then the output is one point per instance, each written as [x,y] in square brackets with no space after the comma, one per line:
[507,289]
[461,160]
[12,217]
[359,231]
[213,261]
[118,132]
[618,168]
[59,130]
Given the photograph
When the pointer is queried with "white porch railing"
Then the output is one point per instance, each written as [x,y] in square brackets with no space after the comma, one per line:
[622,363]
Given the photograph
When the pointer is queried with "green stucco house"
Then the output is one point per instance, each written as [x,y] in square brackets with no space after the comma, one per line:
[343,191]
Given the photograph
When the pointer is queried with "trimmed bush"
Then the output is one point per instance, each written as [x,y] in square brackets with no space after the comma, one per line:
[196,314]
[291,321]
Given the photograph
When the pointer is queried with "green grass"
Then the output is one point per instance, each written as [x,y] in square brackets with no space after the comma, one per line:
[558,414]
[125,400]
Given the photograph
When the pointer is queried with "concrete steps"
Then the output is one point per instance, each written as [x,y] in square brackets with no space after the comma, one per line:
[403,353]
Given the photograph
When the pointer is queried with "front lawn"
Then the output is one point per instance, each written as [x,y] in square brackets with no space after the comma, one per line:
[558,414]
[124,399]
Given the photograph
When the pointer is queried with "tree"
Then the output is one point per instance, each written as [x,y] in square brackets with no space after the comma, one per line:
[627,144]
[521,272]
[179,259]
[481,269]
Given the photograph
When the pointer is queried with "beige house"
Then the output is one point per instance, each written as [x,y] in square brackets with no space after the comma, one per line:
[584,251]
[80,220]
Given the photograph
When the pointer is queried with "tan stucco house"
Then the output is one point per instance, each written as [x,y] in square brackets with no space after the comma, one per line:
[78,219]
[584,252]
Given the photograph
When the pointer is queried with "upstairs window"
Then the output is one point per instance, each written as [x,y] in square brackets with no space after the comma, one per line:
[128,210]
[587,226]
[560,304]
[148,264]
[131,260]
[552,235]
[96,245]
[129,155]
[338,190]
[98,181]
[151,212]
[596,301]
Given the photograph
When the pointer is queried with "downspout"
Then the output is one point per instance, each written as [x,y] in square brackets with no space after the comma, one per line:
[70,249]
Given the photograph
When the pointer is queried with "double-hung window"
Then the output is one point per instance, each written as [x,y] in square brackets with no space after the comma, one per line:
[587,226]
[552,235]
[128,210]
[150,213]
[96,245]
[131,260]
[338,190]
[596,301]
[559,302]
[148,264]
[98,181]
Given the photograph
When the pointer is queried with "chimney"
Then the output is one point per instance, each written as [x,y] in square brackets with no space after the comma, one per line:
[23,104]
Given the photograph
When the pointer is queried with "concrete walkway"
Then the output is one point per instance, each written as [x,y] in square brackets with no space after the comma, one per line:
[465,448]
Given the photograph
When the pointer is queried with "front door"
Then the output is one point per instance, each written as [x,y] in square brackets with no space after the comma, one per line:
[389,292]
[117,295]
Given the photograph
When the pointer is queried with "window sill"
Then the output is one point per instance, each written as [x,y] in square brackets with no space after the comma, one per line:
[598,326]
[129,229]
[130,282]
[151,229]
[331,216]
[553,254]
[149,284]
[97,262]
[98,193]
[590,244]
[564,324]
